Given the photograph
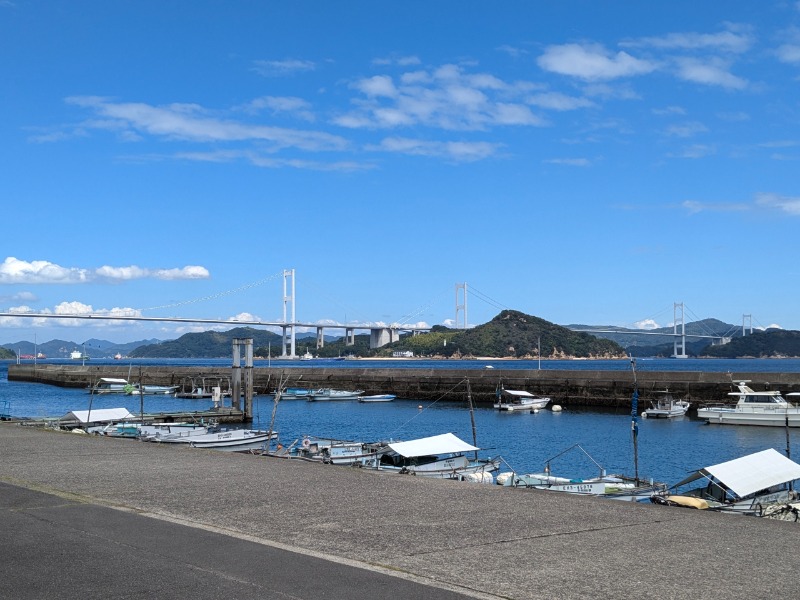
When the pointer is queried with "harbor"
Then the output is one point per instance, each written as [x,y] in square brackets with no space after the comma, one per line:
[258,527]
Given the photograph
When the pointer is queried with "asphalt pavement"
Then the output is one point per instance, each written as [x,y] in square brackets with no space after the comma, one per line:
[94,517]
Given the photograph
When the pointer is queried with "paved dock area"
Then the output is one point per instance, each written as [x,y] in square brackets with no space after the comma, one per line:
[93,517]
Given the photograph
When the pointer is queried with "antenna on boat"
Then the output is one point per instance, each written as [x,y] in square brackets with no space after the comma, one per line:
[635,421]
[472,418]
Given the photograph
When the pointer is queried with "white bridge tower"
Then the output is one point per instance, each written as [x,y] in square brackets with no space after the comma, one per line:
[461,304]
[289,333]
[678,322]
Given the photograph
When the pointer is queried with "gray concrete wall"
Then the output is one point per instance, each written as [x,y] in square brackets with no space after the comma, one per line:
[568,388]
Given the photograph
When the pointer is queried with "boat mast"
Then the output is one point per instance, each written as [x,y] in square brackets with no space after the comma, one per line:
[635,421]
[472,418]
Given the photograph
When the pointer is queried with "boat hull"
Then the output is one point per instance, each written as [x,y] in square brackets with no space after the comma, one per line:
[732,416]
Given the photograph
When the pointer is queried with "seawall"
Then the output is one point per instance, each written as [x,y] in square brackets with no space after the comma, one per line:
[568,388]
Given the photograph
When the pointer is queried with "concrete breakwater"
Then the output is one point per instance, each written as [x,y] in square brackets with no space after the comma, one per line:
[565,387]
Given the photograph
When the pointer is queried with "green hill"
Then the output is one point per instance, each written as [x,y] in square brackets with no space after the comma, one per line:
[773,343]
[511,334]
[208,344]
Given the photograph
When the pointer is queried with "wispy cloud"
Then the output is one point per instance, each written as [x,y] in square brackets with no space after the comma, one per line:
[446,97]
[402,61]
[282,68]
[685,130]
[786,204]
[724,41]
[192,123]
[13,270]
[592,62]
[454,150]
[570,162]
[275,105]
[711,71]
[789,205]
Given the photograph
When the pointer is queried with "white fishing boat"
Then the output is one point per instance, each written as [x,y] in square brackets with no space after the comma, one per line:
[232,439]
[439,456]
[747,485]
[331,394]
[377,398]
[614,486]
[174,432]
[114,385]
[519,400]
[753,408]
[666,406]
[332,451]
[296,393]
[111,385]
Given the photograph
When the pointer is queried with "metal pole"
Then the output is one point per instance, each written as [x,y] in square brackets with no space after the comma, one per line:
[635,421]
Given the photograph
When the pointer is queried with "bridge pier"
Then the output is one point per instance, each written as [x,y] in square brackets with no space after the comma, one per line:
[380,337]
[320,337]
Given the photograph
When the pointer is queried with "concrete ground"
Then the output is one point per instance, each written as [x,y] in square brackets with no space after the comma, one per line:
[94,517]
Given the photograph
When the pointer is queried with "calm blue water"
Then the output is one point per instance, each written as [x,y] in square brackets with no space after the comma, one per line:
[668,449]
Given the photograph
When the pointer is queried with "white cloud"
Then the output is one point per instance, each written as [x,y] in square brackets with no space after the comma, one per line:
[570,162]
[558,101]
[712,71]
[191,123]
[789,53]
[296,107]
[685,130]
[446,97]
[787,204]
[725,41]
[20,297]
[646,324]
[281,68]
[457,151]
[592,62]
[13,270]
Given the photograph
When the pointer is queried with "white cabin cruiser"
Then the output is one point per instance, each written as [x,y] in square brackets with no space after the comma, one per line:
[519,400]
[753,408]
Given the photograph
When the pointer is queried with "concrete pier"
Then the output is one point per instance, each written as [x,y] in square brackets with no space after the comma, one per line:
[88,517]
[568,388]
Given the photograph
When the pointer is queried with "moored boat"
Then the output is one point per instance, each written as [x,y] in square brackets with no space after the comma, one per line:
[767,407]
[331,394]
[377,398]
[519,400]
[666,406]
[439,456]
[233,439]
[747,485]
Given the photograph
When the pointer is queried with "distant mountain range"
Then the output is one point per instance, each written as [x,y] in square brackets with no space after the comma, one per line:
[511,334]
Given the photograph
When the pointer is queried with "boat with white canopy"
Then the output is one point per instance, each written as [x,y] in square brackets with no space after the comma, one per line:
[746,485]
[767,407]
[440,456]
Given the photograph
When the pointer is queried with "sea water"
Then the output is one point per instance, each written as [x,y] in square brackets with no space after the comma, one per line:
[590,439]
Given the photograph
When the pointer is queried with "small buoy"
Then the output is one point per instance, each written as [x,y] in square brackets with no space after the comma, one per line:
[419,407]
[644,415]
[556,408]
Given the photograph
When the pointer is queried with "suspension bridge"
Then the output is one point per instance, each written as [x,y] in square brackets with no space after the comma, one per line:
[380,334]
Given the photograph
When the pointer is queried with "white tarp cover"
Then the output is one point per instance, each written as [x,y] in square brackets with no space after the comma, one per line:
[520,393]
[445,443]
[99,415]
[114,380]
[751,473]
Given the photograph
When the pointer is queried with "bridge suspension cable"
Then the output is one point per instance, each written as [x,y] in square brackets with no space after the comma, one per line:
[241,288]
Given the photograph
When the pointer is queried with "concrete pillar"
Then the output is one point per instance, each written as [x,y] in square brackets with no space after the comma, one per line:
[320,337]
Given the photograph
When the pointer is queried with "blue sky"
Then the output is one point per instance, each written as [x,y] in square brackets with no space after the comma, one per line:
[584,162]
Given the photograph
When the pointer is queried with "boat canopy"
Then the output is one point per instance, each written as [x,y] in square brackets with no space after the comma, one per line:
[750,474]
[518,393]
[100,415]
[114,380]
[445,443]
